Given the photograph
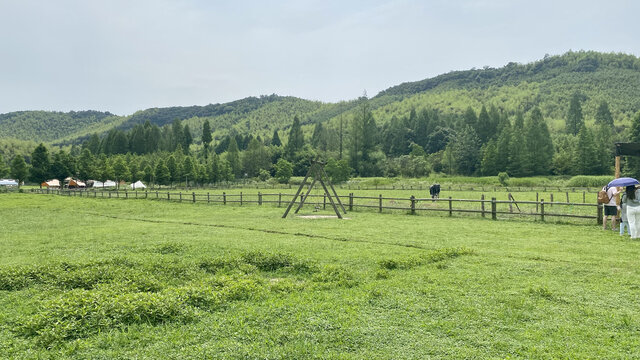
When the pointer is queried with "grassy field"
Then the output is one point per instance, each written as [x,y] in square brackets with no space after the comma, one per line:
[99,278]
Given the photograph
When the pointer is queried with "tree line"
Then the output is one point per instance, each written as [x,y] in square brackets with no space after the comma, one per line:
[485,142]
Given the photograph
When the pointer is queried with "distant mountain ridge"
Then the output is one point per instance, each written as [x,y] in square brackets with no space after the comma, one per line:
[547,83]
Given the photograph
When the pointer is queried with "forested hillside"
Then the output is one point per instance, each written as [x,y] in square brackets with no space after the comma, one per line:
[560,115]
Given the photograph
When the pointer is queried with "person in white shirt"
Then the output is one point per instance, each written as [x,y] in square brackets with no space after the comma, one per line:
[610,208]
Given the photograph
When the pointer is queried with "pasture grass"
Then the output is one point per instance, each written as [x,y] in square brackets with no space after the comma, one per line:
[100,278]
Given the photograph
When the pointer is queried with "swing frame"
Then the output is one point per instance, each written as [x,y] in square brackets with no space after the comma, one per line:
[316,171]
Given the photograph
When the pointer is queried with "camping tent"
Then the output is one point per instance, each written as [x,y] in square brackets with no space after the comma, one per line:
[76,184]
[51,183]
[106,184]
[138,185]
[8,182]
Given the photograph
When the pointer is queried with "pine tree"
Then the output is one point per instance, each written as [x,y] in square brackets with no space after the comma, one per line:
[470,118]
[484,126]
[296,139]
[575,119]
[490,159]
[502,146]
[162,174]
[174,170]
[275,140]
[177,134]
[189,170]
[206,135]
[61,167]
[603,138]
[319,137]
[233,158]
[120,170]
[3,167]
[40,164]
[19,169]
[539,146]
[517,150]
[466,151]
[93,144]
[188,139]
[585,156]
[603,115]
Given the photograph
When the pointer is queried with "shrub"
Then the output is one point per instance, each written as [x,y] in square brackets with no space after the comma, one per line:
[503,178]
[589,181]
[275,261]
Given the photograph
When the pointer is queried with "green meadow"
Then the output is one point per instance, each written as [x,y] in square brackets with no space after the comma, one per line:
[125,279]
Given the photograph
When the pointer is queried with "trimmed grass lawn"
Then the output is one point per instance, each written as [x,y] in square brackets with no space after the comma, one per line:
[109,278]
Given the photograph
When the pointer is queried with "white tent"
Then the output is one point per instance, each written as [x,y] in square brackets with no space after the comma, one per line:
[138,185]
[8,182]
[55,183]
[106,184]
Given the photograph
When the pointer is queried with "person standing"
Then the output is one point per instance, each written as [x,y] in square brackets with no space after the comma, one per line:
[624,218]
[610,208]
[632,198]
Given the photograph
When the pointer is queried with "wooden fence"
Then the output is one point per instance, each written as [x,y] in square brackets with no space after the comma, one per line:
[485,207]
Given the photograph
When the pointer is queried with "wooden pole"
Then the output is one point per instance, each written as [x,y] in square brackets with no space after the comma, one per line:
[617,167]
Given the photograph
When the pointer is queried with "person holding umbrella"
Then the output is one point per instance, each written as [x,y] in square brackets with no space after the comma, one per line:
[632,200]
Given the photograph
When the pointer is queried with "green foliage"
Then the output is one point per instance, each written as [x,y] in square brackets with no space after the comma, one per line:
[19,169]
[40,164]
[284,171]
[575,119]
[338,170]
[589,181]
[503,178]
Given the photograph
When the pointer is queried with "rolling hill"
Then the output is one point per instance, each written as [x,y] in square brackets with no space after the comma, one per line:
[548,83]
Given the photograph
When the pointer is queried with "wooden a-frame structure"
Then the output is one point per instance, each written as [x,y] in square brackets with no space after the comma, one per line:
[316,171]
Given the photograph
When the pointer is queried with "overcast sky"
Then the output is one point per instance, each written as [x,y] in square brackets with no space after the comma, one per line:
[126,55]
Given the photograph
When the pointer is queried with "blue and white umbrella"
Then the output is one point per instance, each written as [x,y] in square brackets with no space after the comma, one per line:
[625,181]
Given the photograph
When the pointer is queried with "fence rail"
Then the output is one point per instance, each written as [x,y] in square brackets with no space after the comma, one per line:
[413,205]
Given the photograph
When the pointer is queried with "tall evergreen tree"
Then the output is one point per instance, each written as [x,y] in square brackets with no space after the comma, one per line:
[255,158]
[162,175]
[275,140]
[93,144]
[40,164]
[603,115]
[137,140]
[503,145]
[177,134]
[296,139]
[174,169]
[206,135]
[319,137]
[466,151]
[517,149]
[189,170]
[120,170]
[489,164]
[603,138]
[575,119]
[484,126]
[4,170]
[187,139]
[585,158]
[233,158]
[539,145]
[19,169]
[470,118]
[62,165]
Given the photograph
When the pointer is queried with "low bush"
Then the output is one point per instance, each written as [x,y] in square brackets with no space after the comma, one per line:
[589,181]
[431,257]
[276,261]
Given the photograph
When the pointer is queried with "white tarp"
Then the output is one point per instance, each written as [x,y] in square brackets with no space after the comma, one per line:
[8,182]
[138,185]
[106,184]
[55,183]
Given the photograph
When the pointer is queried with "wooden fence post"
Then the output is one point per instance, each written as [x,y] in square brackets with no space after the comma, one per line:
[450,207]
[350,201]
[482,204]
[542,209]
[208,198]
[413,205]
[567,197]
[279,199]
[324,201]
[259,198]
[493,209]
[511,203]
[194,196]
[537,202]
[240,198]
[180,193]
[551,199]
[224,198]
[380,203]
[584,197]
[599,214]
[168,196]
